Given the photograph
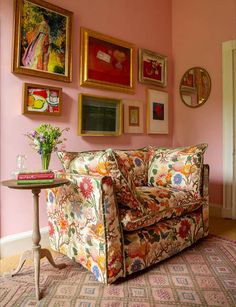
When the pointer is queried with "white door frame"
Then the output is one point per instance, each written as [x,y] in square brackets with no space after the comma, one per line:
[229,128]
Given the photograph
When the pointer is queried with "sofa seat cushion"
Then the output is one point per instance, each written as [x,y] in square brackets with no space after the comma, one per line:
[176,167]
[159,203]
[150,245]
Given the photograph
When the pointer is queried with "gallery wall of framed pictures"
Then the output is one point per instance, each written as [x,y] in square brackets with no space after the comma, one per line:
[42,47]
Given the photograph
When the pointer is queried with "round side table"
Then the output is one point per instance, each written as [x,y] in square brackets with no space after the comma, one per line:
[37,251]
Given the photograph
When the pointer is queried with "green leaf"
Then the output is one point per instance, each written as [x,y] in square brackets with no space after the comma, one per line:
[189,158]
[75,251]
[154,171]
[101,246]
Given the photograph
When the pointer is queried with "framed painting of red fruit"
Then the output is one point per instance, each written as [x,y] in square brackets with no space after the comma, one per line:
[106,62]
[42,99]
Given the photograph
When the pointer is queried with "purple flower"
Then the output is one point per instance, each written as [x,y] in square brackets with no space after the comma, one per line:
[33,133]
[137,161]
[50,197]
[136,265]
[41,137]
[177,178]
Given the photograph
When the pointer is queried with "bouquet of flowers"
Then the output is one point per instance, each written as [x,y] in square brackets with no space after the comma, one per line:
[45,139]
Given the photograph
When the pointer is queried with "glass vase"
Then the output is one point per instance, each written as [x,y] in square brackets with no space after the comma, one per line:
[45,158]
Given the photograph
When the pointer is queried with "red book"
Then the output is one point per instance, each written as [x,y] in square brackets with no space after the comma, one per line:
[32,176]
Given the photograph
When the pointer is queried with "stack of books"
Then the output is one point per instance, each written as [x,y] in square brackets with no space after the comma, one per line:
[35,177]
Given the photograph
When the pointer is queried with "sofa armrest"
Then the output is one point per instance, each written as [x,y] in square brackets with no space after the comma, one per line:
[84,225]
[205,180]
[205,195]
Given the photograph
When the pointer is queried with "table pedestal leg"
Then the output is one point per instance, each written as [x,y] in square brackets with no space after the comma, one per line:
[25,255]
[36,237]
[38,253]
[46,253]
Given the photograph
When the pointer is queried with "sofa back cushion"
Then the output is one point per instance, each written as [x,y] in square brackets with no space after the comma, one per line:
[134,165]
[179,168]
[92,163]
[103,163]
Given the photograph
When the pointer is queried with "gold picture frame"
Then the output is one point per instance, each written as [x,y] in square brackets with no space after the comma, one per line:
[41,99]
[99,116]
[106,62]
[133,116]
[42,40]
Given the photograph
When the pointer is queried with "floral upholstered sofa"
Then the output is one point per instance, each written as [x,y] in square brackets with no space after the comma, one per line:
[124,210]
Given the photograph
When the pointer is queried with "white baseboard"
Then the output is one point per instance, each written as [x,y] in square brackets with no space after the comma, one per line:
[217,210]
[18,243]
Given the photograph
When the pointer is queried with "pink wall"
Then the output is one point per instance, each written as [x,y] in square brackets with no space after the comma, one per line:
[147,24]
[198,30]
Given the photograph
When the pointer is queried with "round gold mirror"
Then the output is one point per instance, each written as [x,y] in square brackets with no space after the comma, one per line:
[195,87]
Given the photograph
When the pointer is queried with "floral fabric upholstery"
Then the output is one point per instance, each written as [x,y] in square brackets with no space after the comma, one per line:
[134,164]
[103,163]
[159,203]
[178,168]
[83,224]
[205,194]
[126,210]
[152,244]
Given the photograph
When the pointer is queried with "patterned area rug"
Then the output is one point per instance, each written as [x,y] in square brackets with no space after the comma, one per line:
[202,275]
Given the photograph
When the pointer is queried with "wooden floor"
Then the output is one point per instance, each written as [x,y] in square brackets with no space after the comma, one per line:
[224,228]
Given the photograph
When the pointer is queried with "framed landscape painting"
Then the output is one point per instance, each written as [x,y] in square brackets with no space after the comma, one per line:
[99,116]
[42,40]
[152,68]
[106,62]
[42,99]
[157,112]
[133,116]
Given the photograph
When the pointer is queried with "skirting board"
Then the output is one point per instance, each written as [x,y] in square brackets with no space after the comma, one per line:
[18,243]
[217,210]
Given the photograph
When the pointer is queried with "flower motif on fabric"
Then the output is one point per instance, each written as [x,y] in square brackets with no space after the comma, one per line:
[63,224]
[184,229]
[177,179]
[51,229]
[137,162]
[136,265]
[50,197]
[96,272]
[86,187]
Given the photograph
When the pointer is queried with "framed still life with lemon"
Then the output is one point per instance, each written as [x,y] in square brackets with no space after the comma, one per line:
[42,99]
[42,40]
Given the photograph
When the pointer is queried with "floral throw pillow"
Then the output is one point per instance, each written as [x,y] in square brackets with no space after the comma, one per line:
[101,163]
[134,164]
[92,163]
[176,167]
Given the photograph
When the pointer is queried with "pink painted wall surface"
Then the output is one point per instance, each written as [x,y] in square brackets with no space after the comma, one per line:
[198,30]
[147,24]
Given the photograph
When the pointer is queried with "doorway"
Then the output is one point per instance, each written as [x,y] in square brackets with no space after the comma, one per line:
[229,129]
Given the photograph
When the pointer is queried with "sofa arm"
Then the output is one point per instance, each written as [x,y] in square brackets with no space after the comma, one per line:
[205,195]
[205,180]
[84,225]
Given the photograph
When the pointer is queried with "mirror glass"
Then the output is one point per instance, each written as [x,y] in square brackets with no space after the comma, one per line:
[195,87]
